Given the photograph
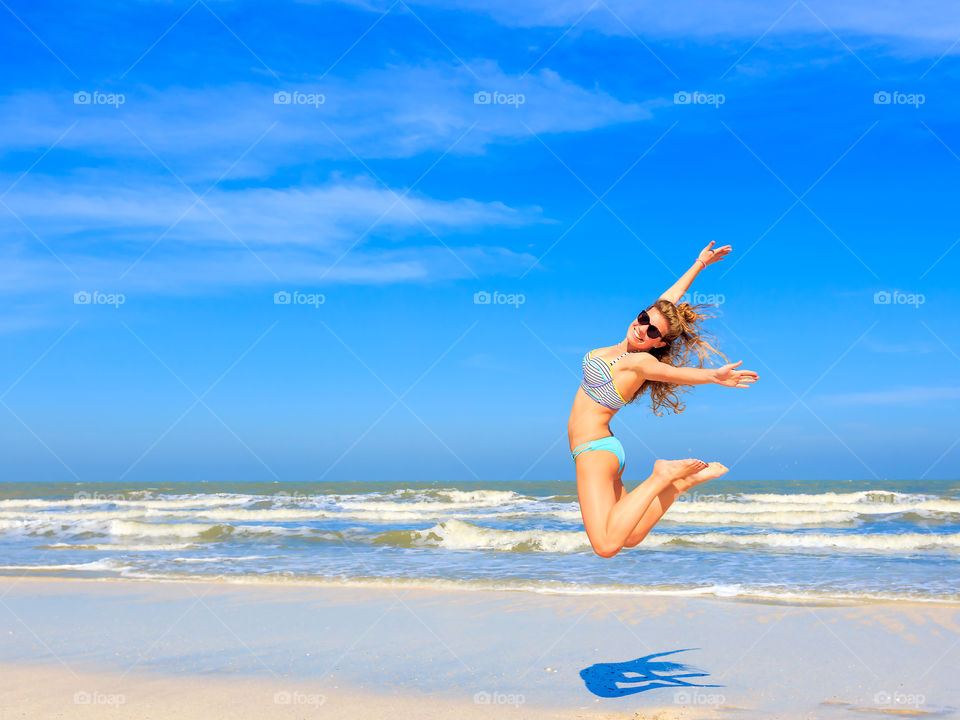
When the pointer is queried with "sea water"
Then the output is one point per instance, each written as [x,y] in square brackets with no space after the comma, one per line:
[790,541]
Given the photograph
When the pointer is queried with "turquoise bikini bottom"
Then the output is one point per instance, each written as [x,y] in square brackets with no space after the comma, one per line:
[605,443]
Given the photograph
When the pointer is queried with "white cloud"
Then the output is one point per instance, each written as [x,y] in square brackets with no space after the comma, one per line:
[930,25]
[327,216]
[393,112]
[114,237]
[211,271]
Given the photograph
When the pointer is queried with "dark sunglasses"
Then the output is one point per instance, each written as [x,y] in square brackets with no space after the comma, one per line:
[653,331]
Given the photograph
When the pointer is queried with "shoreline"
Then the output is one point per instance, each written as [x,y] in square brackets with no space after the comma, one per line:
[457,586]
[438,653]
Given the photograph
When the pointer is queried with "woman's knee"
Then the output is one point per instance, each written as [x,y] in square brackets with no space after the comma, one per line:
[606,550]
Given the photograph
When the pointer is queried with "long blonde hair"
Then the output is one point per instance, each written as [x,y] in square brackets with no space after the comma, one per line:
[684,337]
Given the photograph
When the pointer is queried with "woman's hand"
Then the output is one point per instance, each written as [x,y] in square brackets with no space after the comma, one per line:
[711,255]
[707,256]
[730,377]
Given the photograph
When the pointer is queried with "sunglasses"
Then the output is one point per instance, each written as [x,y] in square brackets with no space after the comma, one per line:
[653,332]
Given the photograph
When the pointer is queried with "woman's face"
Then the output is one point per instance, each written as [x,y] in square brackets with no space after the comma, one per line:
[638,337]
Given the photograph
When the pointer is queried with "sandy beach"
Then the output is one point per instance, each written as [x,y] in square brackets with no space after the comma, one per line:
[77,648]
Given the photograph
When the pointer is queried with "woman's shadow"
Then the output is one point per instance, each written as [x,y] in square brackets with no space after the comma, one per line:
[640,675]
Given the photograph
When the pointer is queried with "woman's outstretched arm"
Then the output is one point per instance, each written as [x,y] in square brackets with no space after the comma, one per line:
[707,256]
[728,375]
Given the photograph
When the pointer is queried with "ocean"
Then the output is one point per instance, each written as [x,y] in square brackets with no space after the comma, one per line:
[774,541]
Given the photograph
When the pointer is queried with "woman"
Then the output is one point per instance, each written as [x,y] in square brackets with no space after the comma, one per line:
[650,358]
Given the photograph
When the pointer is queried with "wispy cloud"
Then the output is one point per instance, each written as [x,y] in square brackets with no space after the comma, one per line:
[45,280]
[157,239]
[925,21]
[395,112]
[325,216]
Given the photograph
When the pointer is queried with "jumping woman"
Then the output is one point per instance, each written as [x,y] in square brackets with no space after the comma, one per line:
[651,358]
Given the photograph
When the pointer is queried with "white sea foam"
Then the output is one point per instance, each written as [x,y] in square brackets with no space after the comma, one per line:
[904,542]
[826,502]
[860,496]
[190,529]
[217,559]
[77,516]
[121,547]
[480,498]
[105,564]
[687,513]
[458,500]
[93,500]
[410,505]
[141,529]
[460,535]
[736,514]
[725,517]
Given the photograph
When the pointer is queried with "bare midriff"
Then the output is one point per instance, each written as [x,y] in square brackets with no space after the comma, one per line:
[589,420]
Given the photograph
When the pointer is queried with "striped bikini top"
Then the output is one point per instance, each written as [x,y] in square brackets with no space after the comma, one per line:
[598,382]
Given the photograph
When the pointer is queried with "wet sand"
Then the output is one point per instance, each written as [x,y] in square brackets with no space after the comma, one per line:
[151,649]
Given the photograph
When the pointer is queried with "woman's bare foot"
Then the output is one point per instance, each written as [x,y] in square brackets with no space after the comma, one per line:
[710,472]
[674,470]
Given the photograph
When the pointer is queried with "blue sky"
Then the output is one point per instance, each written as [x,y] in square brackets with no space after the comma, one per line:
[185,189]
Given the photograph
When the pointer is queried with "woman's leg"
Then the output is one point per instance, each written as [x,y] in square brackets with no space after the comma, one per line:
[661,503]
[608,519]
[665,499]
